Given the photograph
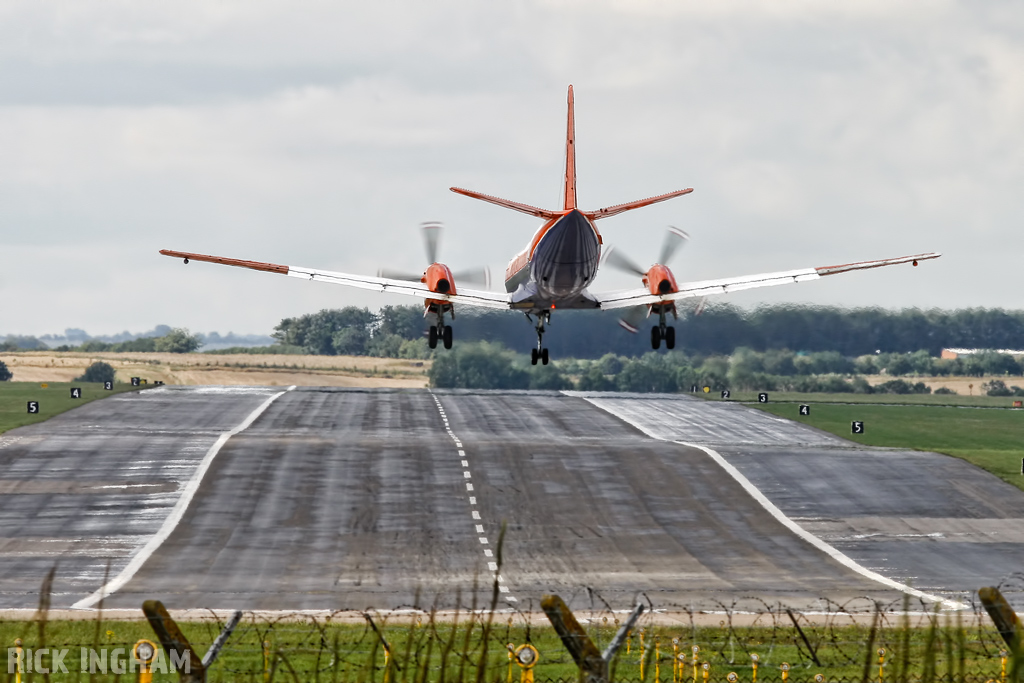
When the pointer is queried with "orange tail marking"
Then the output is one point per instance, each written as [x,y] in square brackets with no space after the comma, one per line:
[570,158]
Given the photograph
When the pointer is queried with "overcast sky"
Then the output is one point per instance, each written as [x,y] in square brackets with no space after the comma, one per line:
[321,134]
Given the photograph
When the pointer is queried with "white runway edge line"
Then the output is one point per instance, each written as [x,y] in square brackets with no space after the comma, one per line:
[778,514]
[177,512]
[492,566]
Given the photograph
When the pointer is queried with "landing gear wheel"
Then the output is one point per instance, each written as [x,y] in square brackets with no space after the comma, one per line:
[670,338]
[655,337]
[432,337]
[533,356]
[446,336]
[544,356]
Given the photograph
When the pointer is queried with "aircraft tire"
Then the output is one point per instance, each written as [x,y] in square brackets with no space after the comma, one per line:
[655,338]
[670,338]
[544,356]
[432,337]
[446,336]
[533,356]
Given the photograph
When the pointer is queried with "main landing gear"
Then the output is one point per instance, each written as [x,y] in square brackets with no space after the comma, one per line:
[540,353]
[440,330]
[663,331]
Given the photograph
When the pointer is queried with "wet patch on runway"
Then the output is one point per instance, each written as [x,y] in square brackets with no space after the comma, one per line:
[694,420]
[924,519]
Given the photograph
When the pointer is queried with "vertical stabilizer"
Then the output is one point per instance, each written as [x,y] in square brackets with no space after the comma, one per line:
[570,159]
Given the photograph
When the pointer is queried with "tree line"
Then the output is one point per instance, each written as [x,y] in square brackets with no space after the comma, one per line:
[486,365]
[720,329]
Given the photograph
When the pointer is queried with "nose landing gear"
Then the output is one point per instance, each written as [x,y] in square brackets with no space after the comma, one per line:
[540,353]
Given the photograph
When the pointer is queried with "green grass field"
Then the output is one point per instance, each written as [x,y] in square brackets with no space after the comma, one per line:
[887,399]
[54,399]
[990,438]
[427,652]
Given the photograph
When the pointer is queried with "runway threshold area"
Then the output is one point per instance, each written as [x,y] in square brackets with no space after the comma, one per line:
[352,499]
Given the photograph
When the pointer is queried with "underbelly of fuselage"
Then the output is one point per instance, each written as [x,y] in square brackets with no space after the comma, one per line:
[566,258]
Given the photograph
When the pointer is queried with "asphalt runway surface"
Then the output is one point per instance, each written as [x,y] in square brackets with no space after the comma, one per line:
[351,499]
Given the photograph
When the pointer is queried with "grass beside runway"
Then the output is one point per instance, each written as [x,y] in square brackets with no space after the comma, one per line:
[989,438]
[54,399]
[423,652]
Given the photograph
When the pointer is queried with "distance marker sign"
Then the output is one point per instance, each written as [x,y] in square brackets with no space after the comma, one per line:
[857,427]
[805,410]
[33,407]
[762,397]
[76,392]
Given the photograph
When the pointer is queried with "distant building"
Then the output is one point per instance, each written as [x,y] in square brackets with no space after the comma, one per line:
[956,353]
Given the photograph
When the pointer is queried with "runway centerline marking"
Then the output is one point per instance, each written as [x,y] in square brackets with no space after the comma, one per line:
[474,513]
[781,517]
[177,512]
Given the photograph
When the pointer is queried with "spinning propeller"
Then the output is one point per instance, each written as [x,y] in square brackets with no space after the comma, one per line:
[431,241]
[658,278]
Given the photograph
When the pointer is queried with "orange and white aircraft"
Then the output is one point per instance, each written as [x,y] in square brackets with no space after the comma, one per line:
[555,269]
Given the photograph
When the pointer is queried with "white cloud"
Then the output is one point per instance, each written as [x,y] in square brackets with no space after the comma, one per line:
[321,134]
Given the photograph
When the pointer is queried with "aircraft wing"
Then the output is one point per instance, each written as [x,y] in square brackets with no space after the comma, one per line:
[687,290]
[469,297]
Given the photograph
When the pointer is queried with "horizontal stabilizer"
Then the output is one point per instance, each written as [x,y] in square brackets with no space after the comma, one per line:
[508,204]
[629,206]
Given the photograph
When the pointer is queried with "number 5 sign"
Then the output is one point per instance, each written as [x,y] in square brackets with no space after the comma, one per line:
[857,427]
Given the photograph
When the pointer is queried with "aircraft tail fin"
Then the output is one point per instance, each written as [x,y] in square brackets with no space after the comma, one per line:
[569,193]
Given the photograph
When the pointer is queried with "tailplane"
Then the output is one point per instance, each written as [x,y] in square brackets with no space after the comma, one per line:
[569,187]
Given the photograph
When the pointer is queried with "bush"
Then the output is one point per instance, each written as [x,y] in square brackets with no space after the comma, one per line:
[944,391]
[899,386]
[548,377]
[385,345]
[415,348]
[594,379]
[5,374]
[97,372]
[477,366]
[996,387]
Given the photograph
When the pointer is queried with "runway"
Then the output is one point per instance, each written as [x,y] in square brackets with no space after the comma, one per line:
[348,499]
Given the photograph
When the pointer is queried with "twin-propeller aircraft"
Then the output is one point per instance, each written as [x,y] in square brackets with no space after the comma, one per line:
[555,269]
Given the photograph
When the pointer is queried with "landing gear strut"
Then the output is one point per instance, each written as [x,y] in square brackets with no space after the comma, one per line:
[440,331]
[540,353]
[663,331]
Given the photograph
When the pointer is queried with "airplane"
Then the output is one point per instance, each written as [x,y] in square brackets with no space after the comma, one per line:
[555,269]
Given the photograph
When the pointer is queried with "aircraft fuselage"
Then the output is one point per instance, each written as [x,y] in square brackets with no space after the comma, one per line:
[561,259]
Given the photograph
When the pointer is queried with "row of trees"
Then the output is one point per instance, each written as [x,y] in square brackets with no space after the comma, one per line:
[721,329]
[178,340]
[485,365]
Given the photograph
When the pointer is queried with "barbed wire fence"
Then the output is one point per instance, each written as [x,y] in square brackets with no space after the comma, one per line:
[712,642]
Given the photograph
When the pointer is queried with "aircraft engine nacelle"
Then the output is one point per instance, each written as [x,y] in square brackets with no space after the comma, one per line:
[660,280]
[438,277]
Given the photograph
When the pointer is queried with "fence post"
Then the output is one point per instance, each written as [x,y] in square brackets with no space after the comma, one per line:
[593,664]
[175,642]
[1003,616]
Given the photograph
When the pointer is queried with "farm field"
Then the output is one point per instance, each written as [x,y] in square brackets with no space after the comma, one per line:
[238,369]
